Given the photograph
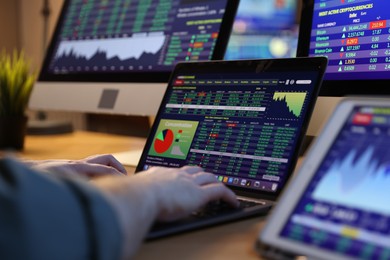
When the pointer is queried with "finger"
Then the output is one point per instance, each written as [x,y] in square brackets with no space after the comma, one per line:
[109,160]
[216,191]
[96,169]
[117,165]
[192,169]
[203,178]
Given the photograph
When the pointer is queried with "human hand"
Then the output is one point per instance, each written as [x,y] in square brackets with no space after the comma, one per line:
[164,194]
[179,192]
[92,166]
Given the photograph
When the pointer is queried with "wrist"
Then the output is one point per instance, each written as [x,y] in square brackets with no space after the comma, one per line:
[30,163]
[134,205]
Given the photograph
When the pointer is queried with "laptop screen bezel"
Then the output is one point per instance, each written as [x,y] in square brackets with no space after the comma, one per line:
[317,64]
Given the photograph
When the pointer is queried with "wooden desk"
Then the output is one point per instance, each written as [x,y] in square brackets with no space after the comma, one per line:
[78,145]
[228,241]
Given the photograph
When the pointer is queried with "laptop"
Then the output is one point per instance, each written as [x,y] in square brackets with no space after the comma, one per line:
[337,207]
[243,121]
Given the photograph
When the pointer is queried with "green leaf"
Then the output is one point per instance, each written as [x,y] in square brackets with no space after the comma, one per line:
[16,83]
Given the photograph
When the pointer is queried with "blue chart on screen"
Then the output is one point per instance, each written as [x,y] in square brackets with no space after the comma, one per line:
[345,207]
[359,183]
[119,36]
[110,51]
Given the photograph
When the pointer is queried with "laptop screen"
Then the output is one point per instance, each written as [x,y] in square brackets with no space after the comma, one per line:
[241,122]
[345,206]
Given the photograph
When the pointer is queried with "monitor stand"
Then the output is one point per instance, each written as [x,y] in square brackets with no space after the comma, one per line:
[43,126]
[322,112]
[307,141]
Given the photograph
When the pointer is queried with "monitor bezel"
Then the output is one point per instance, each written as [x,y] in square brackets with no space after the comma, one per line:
[151,77]
[335,88]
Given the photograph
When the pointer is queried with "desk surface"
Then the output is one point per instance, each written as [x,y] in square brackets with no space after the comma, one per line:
[77,145]
[228,241]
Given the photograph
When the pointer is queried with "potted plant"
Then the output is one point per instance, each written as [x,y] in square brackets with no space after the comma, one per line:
[16,82]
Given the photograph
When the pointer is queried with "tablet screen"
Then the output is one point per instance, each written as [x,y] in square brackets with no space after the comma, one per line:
[345,207]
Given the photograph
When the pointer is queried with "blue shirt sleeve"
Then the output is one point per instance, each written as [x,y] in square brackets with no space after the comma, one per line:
[54,217]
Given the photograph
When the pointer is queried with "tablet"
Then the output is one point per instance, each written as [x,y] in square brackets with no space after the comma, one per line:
[337,206]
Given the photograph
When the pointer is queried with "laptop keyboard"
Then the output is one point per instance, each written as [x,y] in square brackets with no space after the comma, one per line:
[220,207]
[213,213]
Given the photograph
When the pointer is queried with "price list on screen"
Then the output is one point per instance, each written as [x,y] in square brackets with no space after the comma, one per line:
[220,102]
[102,18]
[255,150]
[355,36]
[242,127]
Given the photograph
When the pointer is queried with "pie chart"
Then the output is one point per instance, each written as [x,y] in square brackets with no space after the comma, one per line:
[163,141]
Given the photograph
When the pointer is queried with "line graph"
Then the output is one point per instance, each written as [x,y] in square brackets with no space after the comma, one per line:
[357,180]
[121,48]
[293,100]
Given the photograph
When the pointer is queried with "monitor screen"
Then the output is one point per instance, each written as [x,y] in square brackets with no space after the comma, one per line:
[125,41]
[354,35]
[264,29]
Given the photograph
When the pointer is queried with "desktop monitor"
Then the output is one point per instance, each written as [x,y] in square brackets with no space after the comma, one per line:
[116,56]
[264,29]
[355,36]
